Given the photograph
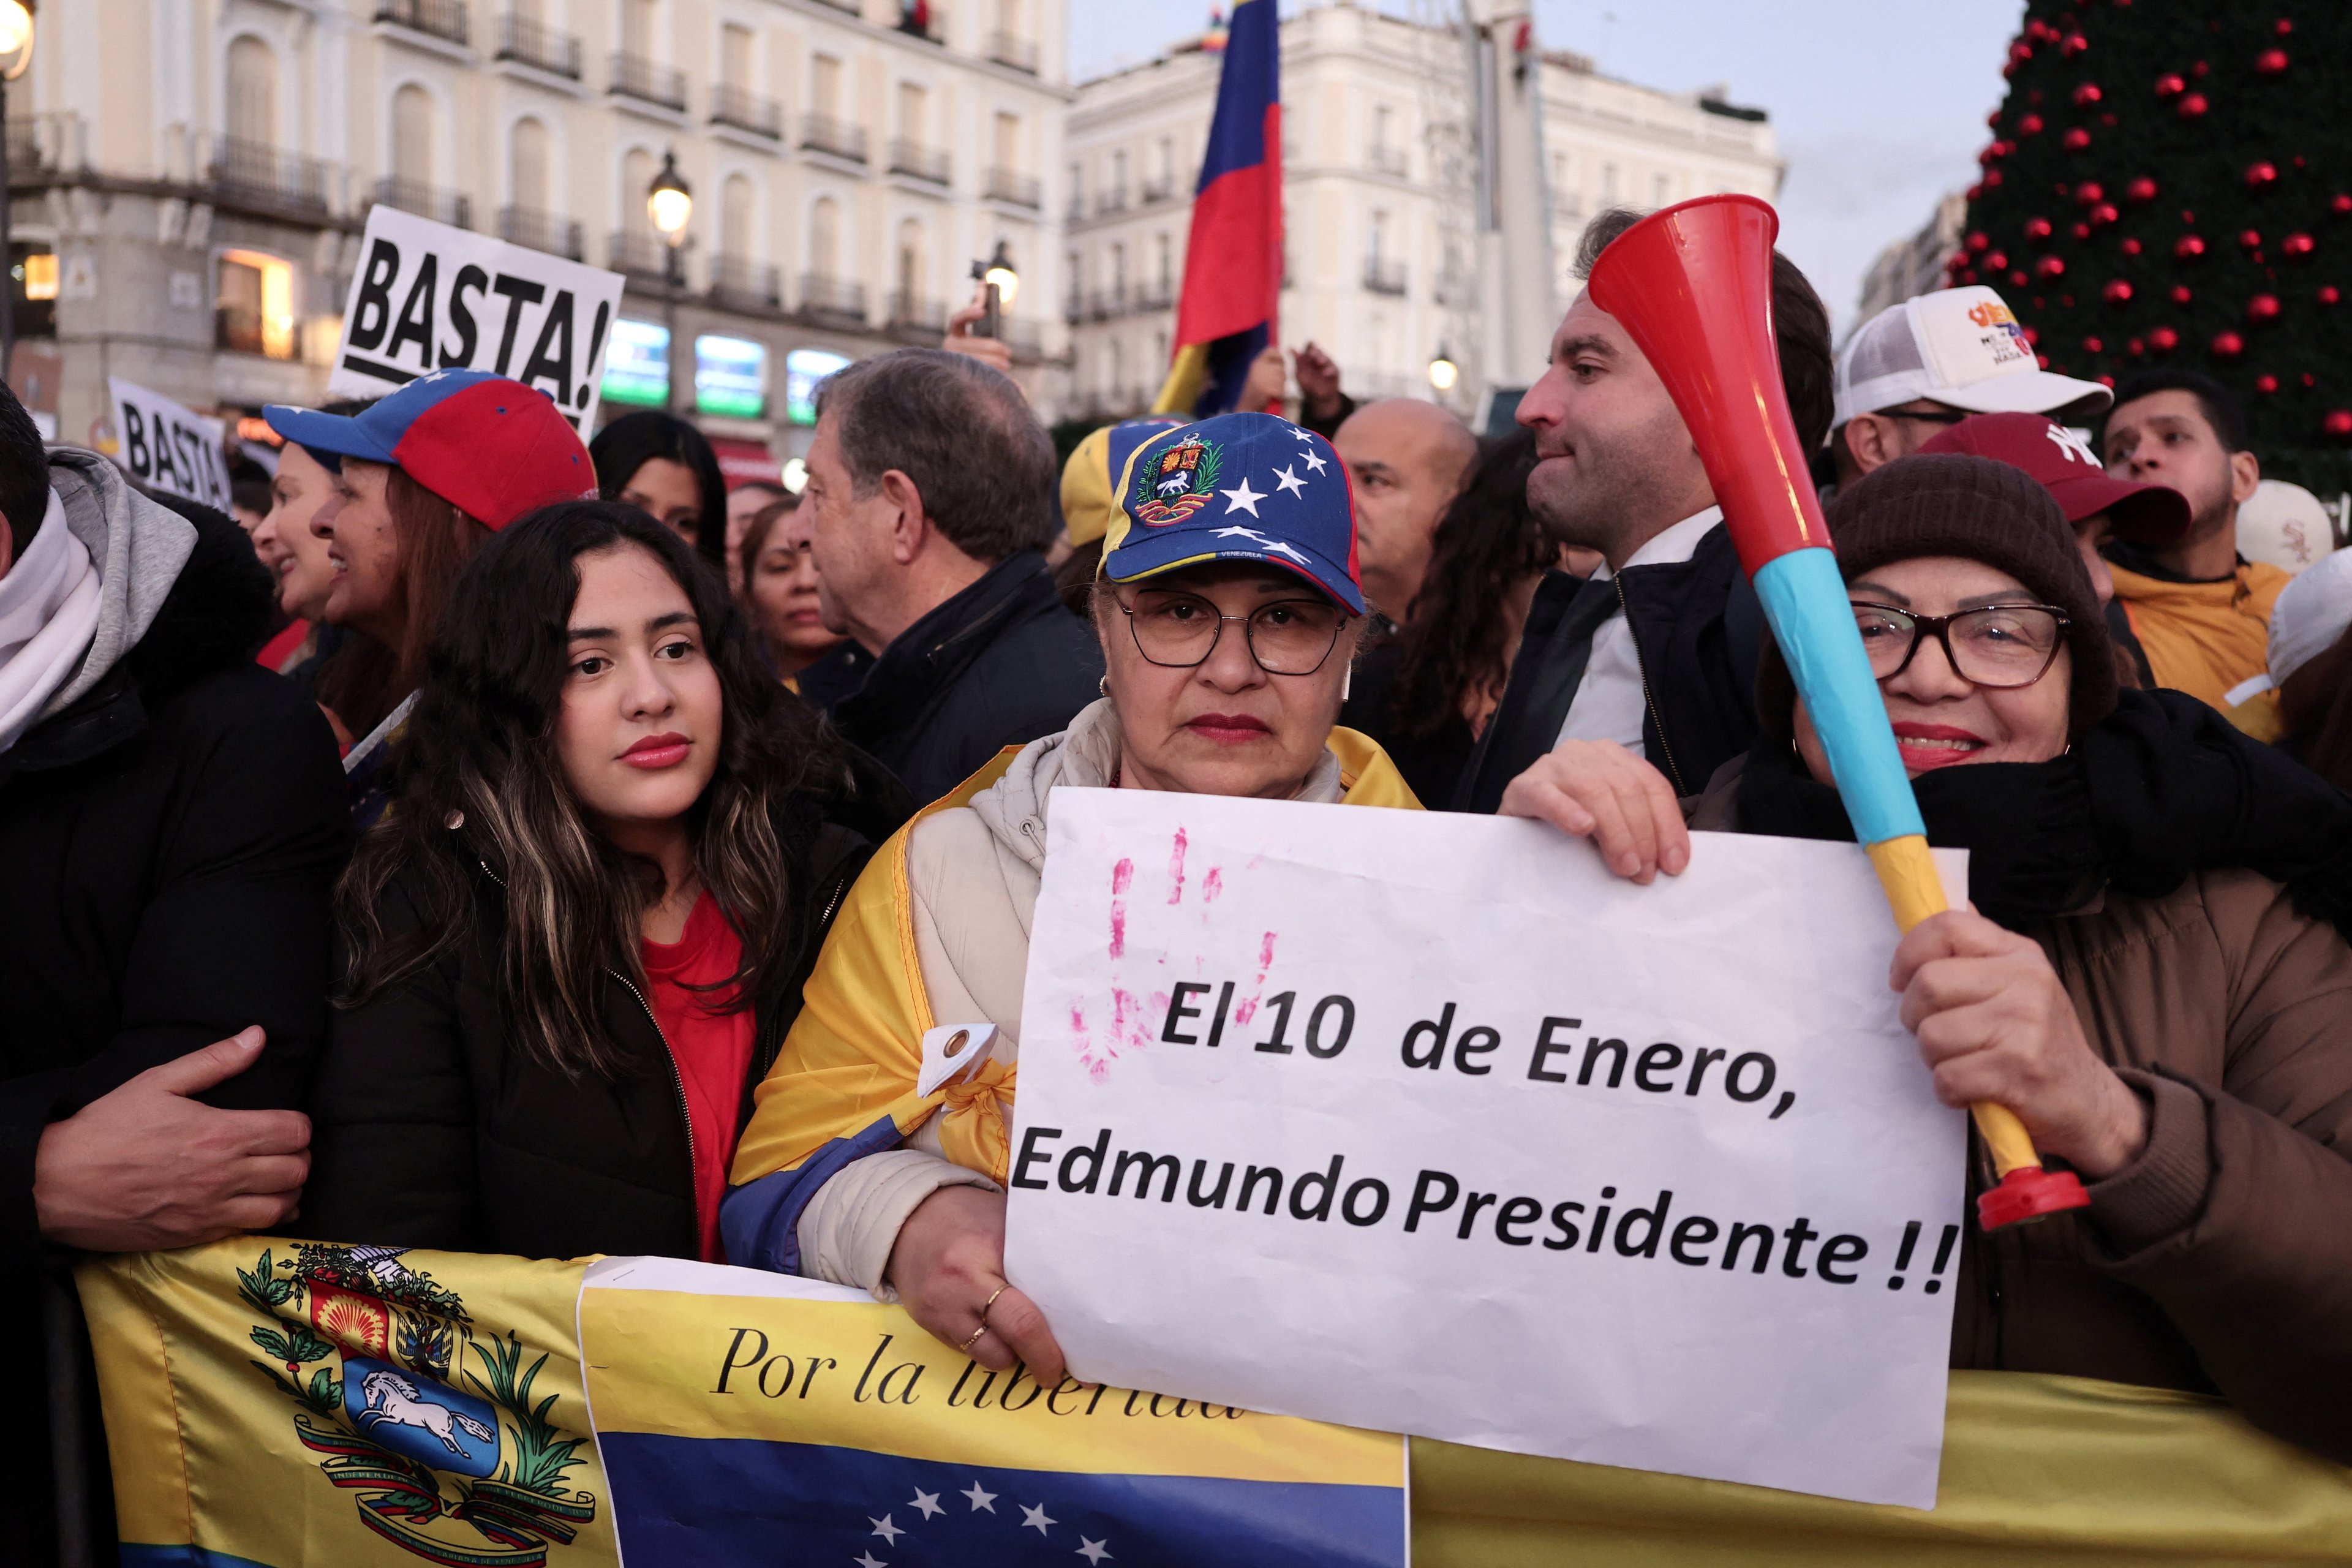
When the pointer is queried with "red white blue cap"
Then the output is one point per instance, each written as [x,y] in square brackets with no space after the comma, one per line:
[1240,487]
[488,445]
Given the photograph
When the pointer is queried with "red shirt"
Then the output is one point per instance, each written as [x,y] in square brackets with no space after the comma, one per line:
[712,1049]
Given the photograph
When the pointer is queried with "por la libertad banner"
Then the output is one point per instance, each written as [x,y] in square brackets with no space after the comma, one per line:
[169,446]
[429,297]
[1428,1123]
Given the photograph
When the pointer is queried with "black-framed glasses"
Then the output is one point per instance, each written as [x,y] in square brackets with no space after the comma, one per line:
[1179,631]
[1997,645]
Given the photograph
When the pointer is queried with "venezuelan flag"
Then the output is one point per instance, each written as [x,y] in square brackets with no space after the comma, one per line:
[1233,263]
[754,1418]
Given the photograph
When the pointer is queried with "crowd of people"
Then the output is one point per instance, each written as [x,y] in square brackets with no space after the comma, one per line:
[506,844]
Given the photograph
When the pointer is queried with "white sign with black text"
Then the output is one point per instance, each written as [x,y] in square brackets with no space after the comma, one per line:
[428,297]
[1428,1123]
[166,446]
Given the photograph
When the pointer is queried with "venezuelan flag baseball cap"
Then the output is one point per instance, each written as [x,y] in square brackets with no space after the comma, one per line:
[488,445]
[1239,487]
[1090,478]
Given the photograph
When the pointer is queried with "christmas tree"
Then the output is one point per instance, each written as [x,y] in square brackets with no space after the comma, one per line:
[2171,186]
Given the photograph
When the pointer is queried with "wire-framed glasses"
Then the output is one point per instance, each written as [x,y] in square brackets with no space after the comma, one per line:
[1179,630]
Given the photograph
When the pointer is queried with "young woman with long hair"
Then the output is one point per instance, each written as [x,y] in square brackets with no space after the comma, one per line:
[665,468]
[779,591]
[580,933]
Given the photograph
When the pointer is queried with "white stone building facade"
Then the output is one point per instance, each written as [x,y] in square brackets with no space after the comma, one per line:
[201,169]
[1365,221]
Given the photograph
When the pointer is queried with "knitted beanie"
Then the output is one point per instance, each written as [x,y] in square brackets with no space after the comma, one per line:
[1978,509]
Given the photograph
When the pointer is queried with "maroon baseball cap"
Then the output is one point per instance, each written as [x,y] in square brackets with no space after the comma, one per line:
[2141,514]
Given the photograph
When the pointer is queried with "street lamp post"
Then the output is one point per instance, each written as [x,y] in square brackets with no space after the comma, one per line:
[16,56]
[670,204]
[1444,373]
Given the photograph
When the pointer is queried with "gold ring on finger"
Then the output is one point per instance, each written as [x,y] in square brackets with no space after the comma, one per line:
[973,1341]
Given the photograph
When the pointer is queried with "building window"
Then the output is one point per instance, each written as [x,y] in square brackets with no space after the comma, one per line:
[636,178]
[912,270]
[825,86]
[1163,255]
[254,310]
[735,202]
[412,137]
[637,28]
[527,165]
[914,113]
[735,57]
[1661,190]
[1609,184]
[825,239]
[250,106]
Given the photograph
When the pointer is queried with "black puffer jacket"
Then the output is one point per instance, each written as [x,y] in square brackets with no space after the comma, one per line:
[433,1128]
[167,846]
[1001,663]
[1699,630]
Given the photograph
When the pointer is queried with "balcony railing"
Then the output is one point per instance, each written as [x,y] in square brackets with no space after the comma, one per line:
[823,133]
[1013,49]
[914,314]
[639,254]
[1383,276]
[45,144]
[1020,190]
[259,174]
[1111,201]
[541,231]
[917,162]
[747,112]
[1105,304]
[1159,190]
[444,19]
[1077,207]
[1156,296]
[453,207]
[747,285]
[1387,160]
[838,302]
[1074,307]
[633,75]
[537,45]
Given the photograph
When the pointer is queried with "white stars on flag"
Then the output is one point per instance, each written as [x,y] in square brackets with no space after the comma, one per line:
[926,1503]
[1313,459]
[889,1531]
[1094,1552]
[1237,531]
[1242,498]
[1035,1518]
[867,1560]
[1285,479]
[980,1500]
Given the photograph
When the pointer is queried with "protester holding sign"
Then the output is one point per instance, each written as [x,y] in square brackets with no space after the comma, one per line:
[666,469]
[580,933]
[1229,610]
[2150,978]
[424,478]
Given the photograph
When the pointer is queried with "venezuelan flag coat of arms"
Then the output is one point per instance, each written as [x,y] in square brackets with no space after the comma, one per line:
[1176,483]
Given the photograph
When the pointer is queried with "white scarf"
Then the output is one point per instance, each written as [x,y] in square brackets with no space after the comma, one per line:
[48,615]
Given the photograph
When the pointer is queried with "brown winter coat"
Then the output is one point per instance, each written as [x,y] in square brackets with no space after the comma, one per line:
[2221,1259]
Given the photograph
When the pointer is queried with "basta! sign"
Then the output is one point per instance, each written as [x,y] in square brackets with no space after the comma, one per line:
[428,297]
[1428,1123]
[165,445]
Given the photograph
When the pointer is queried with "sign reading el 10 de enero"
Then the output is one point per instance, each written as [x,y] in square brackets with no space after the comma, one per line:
[1427,1123]
[428,297]
[168,447]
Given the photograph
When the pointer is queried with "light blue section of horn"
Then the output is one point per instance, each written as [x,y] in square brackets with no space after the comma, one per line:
[1804,600]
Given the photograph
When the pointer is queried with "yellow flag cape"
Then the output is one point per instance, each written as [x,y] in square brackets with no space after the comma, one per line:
[856,1050]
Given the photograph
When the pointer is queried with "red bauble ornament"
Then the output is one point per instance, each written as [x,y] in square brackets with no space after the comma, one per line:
[2309,379]
[2282,26]
[2131,247]
[2168,85]
[2228,346]
[2037,230]
[2089,193]
[2093,345]
[2049,266]
[1996,261]
[2265,384]
[2073,47]
[2081,231]
[1978,239]
[2270,62]
[1992,121]
[2029,125]
[2297,246]
[2341,205]
[2087,94]
[2188,247]
[2199,70]
[2164,339]
[2338,424]
[2181,294]
[2261,176]
[2032,336]
[2106,381]
[2135,347]
[1992,178]
[2329,294]
[2042,361]
[2117,292]
[2193,105]
[2104,214]
[2140,192]
[2262,310]
[2075,140]
[2250,239]
[2018,280]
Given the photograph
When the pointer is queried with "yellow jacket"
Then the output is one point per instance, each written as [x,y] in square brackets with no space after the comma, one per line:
[2203,637]
[931,928]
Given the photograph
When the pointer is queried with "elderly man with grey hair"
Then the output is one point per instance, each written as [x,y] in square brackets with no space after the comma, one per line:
[930,502]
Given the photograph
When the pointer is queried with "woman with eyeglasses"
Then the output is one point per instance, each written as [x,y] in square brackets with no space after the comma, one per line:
[1226,636]
[2153,974]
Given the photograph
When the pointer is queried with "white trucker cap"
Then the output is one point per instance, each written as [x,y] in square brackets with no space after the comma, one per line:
[1957,346]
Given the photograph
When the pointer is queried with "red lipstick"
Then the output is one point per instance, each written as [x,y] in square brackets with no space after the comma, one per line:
[655,751]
